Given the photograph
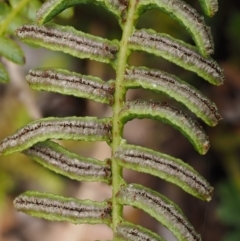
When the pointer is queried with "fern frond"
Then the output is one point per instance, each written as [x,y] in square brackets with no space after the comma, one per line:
[33,139]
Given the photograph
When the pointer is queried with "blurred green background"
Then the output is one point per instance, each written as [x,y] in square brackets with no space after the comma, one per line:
[218,220]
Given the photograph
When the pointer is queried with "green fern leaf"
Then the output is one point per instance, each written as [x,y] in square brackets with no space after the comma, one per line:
[177,52]
[56,158]
[70,128]
[188,17]
[70,41]
[69,83]
[57,208]
[168,114]
[161,165]
[162,82]
[210,7]
[129,232]
[51,8]
[159,207]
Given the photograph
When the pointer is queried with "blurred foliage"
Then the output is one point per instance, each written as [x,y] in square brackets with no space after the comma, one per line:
[233,35]
[229,209]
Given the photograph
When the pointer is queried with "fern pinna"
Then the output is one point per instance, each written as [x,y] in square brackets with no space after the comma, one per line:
[34,139]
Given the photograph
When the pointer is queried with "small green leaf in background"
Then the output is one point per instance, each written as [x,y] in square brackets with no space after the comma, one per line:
[4,78]
[30,10]
[4,10]
[10,50]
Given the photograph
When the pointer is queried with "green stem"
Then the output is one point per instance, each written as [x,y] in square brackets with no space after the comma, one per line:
[13,13]
[119,99]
